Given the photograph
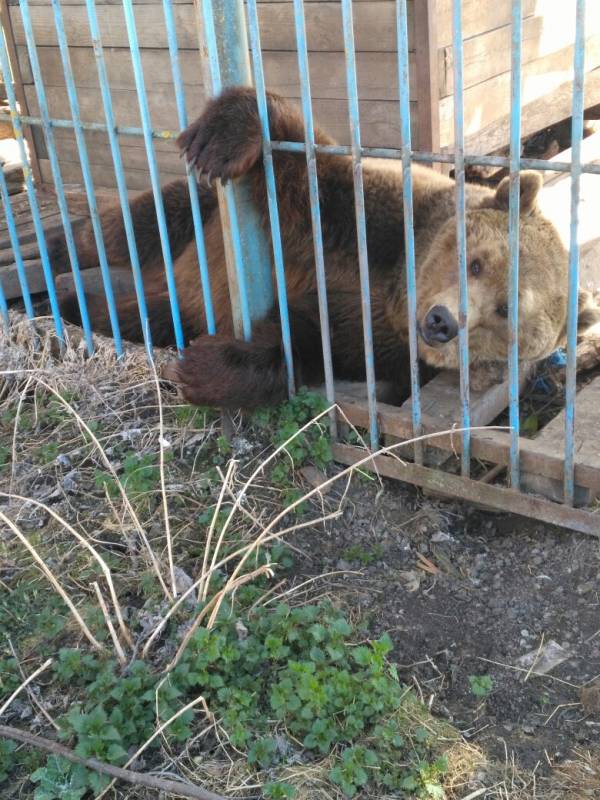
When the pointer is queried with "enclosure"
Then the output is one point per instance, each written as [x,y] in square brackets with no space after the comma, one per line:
[139,66]
[411,645]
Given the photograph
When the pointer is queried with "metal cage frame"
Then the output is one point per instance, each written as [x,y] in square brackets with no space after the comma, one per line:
[226,40]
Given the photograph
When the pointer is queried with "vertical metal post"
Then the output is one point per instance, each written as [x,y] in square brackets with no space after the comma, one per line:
[31,195]
[513,241]
[315,205]
[261,97]
[16,247]
[153,167]
[409,232]
[209,313]
[119,173]
[461,244]
[87,174]
[247,249]
[361,221]
[56,174]
[3,308]
[576,137]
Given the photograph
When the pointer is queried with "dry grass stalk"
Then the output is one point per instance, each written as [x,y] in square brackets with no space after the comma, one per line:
[229,588]
[111,469]
[224,486]
[25,683]
[96,555]
[111,628]
[53,581]
[163,489]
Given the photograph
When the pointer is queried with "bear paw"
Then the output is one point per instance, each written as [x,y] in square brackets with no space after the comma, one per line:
[225,141]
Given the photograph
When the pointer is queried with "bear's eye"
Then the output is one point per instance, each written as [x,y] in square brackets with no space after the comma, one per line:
[475,267]
[502,310]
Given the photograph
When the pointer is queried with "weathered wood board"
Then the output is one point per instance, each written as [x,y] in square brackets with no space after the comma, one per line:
[551,440]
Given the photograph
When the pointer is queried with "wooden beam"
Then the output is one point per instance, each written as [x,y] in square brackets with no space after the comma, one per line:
[484,494]
[426,64]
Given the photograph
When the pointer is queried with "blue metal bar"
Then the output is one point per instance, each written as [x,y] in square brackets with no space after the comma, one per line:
[122,130]
[16,248]
[56,175]
[35,212]
[409,234]
[153,168]
[513,241]
[315,206]
[261,97]
[240,304]
[191,179]
[111,130]
[338,150]
[576,137]
[87,175]
[461,242]
[361,222]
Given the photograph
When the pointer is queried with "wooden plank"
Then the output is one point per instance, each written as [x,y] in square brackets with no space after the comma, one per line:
[460,488]
[441,403]
[478,16]
[10,279]
[71,172]
[491,446]
[488,55]
[374,26]
[587,446]
[377,72]
[427,89]
[547,98]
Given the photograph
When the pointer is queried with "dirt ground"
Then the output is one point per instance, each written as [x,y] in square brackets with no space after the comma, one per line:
[502,587]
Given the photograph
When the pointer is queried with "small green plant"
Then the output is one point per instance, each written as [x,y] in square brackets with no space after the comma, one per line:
[4,457]
[140,475]
[364,556]
[279,791]
[481,685]
[62,780]
[7,749]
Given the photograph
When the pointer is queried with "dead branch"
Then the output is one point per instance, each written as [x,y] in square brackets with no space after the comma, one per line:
[136,778]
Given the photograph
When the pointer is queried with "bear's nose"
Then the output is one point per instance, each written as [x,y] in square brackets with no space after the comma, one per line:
[439,325]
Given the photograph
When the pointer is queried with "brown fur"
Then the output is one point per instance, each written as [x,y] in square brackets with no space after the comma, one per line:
[225,143]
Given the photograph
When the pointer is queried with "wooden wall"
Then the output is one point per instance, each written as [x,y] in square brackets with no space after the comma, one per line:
[548,33]
[376,66]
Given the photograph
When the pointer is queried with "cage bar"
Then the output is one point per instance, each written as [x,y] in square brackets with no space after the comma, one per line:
[261,98]
[112,130]
[191,179]
[153,169]
[16,247]
[87,174]
[409,234]
[513,240]
[361,222]
[313,189]
[572,311]
[461,244]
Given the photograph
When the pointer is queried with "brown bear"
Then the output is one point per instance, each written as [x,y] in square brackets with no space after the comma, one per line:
[225,143]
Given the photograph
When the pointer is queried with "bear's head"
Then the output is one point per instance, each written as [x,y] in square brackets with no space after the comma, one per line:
[543,271]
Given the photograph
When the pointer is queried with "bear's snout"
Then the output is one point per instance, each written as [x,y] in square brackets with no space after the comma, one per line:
[438,326]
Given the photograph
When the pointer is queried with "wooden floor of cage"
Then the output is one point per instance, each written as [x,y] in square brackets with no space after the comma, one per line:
[541,458]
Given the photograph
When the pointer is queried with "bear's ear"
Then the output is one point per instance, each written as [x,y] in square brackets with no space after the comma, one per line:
[530,185]
[589,311]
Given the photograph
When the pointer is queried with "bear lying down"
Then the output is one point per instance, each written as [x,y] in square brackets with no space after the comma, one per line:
[225,143]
